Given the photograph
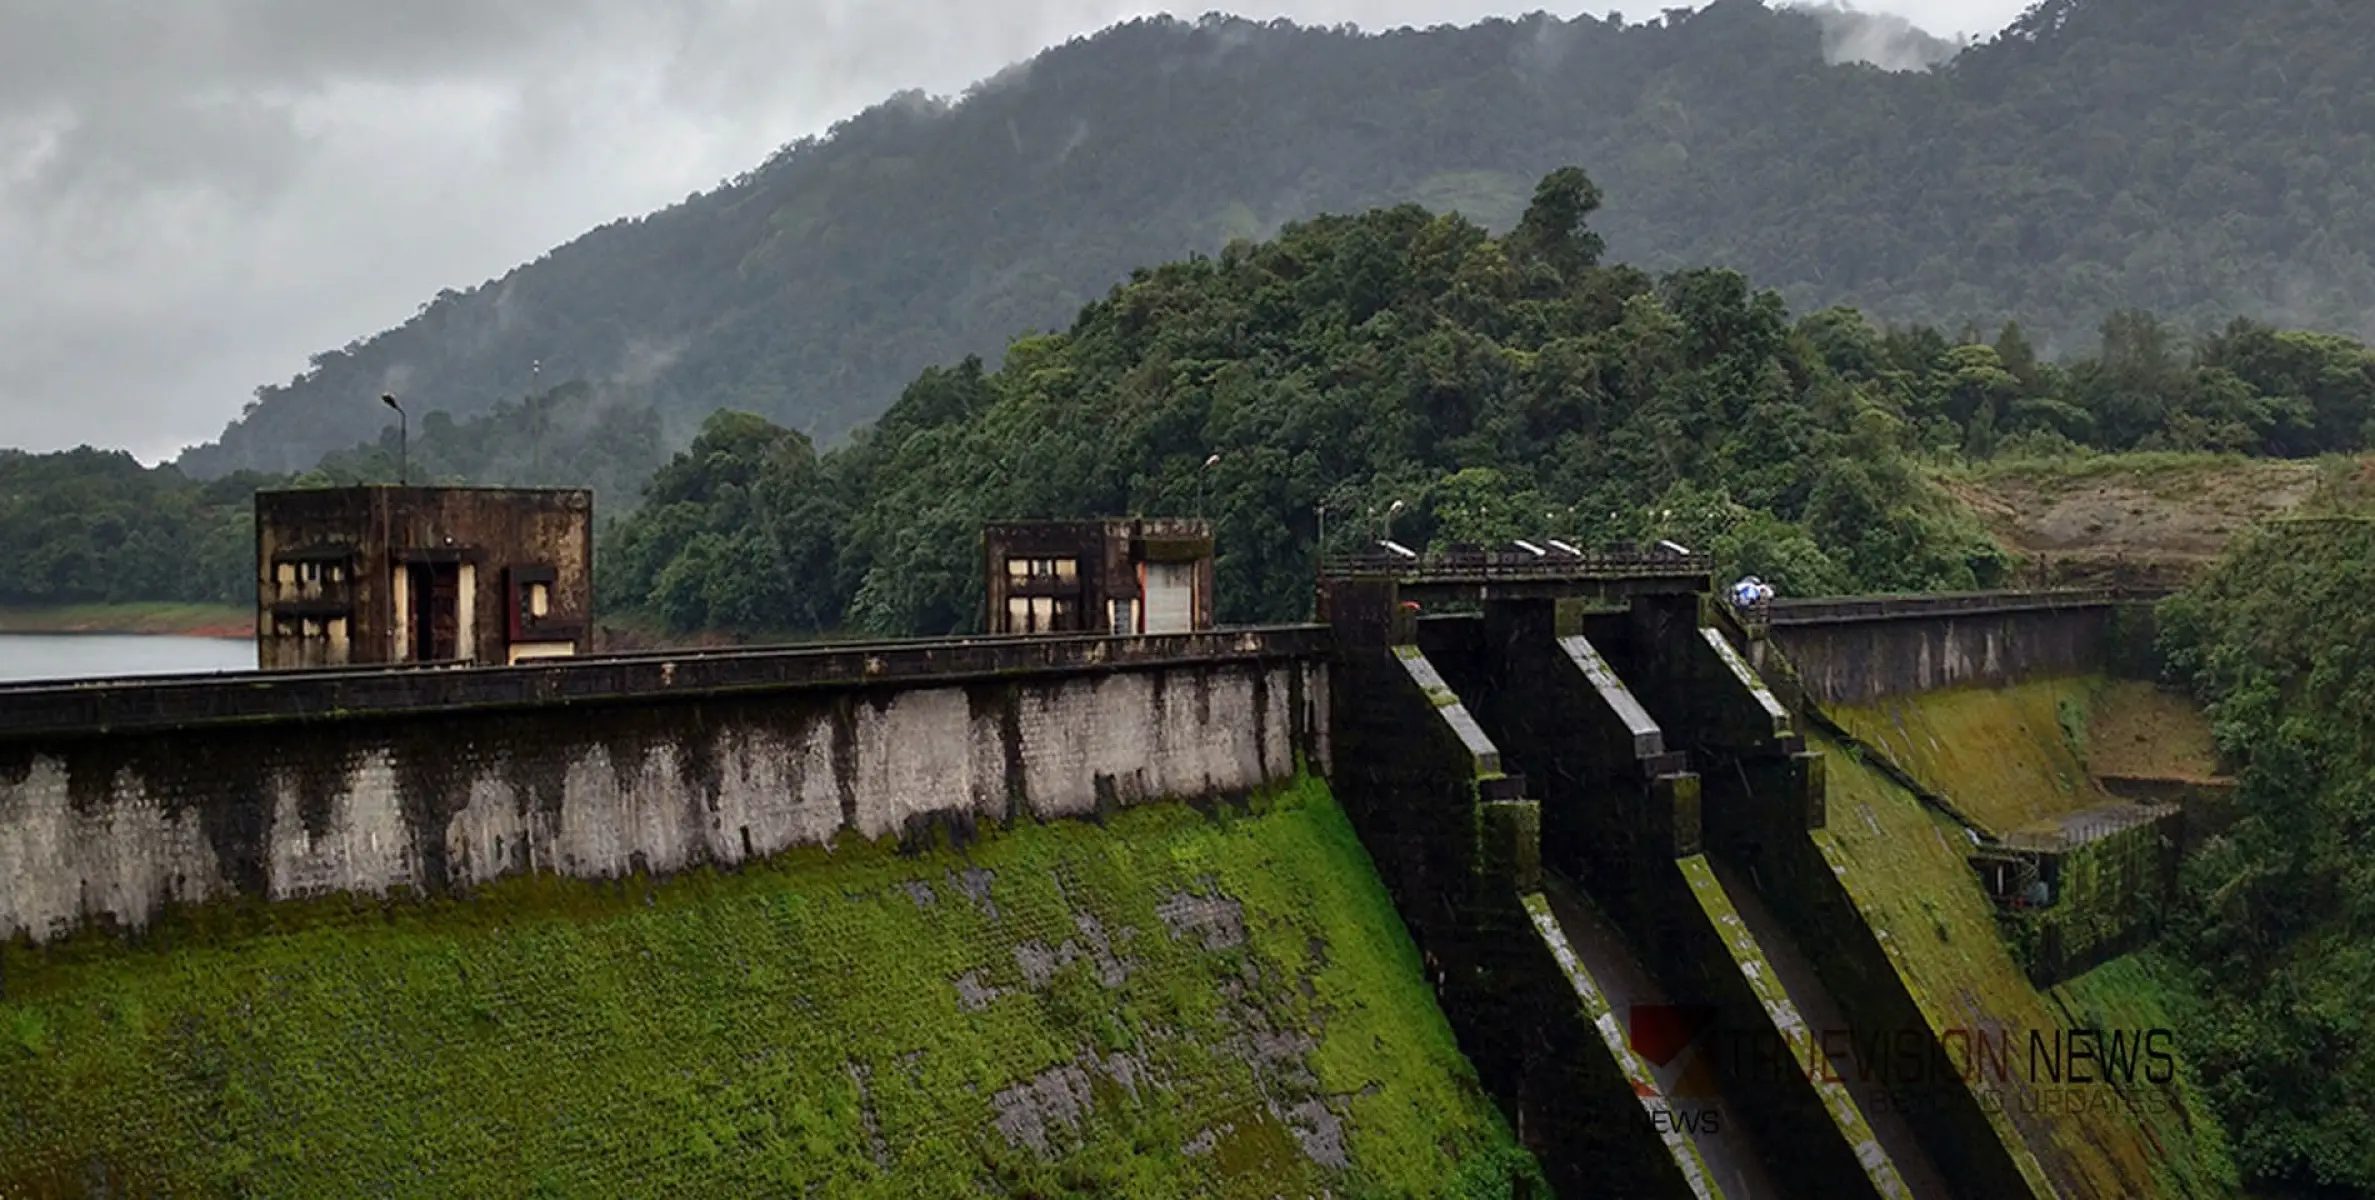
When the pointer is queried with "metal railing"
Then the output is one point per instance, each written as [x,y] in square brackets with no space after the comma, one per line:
[1873,608]
[2087,827]
[1462,565]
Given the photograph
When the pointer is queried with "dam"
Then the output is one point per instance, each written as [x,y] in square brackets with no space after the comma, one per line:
[1509,875]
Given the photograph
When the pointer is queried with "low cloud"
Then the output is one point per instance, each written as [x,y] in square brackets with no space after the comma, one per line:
[195,196]
[1884,40]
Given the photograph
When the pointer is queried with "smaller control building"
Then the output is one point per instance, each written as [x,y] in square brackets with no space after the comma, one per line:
[422,574]
[1124,575]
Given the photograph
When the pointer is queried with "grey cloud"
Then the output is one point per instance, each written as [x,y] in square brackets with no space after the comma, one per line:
[196,195]
[1884,40]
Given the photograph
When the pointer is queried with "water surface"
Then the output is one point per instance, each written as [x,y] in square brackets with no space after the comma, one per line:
[31,656]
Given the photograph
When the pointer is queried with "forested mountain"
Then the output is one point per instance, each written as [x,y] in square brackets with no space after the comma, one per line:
[607,439]
[1494,387]
[2203,160]
[1350,362]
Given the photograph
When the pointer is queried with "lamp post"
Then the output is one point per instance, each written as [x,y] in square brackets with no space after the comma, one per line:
[1201,472]
[538,417]
[1390,510]
[403,440]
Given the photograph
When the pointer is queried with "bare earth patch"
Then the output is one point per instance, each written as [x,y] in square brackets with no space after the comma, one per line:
[2142,731]
[2146,519]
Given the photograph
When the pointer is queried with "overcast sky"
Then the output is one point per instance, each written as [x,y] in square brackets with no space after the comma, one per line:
[196,195]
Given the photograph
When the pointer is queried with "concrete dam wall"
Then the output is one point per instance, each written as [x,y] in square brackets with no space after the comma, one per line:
[118,799]
[989,959]
[1857,651]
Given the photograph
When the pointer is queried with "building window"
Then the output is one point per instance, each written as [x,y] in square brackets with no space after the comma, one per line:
[1040,614]
[1123,615]
[540,600]
[1062,570]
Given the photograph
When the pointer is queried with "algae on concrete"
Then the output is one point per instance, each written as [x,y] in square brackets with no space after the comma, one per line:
[1749,958]
[1907,870]
[1620,1047]
[1177,1003]
[2000,756]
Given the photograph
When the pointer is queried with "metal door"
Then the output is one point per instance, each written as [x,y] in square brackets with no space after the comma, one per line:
[1170,597]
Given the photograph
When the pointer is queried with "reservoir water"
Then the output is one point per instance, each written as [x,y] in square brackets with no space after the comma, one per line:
[32,656]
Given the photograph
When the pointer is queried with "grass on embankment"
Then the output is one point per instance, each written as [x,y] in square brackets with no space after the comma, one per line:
[191,620]
[1175,1004]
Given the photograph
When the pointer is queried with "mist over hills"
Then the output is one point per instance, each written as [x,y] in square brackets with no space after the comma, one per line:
[2199,161]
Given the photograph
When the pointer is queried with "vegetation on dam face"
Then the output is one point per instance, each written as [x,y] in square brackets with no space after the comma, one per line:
[2003,757]
[1177,1003]
[1906,867]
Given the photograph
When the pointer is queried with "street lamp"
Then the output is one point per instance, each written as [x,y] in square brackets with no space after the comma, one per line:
[1209,463]
[537,418]
[1390,510]
[403,440]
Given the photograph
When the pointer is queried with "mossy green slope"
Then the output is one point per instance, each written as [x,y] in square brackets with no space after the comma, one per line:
[1907,871]
[1178,1003]
[2005,757]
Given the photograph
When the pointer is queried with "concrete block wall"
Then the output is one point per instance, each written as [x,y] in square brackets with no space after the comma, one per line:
[1624,821]
[2108,896]
[1765,810]
[108,829]
[1458,848]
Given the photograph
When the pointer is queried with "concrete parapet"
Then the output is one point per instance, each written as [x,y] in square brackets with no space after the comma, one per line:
[1931,605]
[404,797]
[1848,652]
[110,706]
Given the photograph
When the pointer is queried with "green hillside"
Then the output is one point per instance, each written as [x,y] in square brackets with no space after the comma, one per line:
[1176,1004]
[1410,372]
[2201,161]
[2276,930]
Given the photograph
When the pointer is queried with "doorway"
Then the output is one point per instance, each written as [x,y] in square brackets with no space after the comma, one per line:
[435,590]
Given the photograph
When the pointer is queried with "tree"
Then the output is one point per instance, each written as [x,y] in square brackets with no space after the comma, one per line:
[1552,229]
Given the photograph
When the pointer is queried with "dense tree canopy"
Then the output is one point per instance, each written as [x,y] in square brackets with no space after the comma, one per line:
[94,526]
[2278,915]
[1495,388]
[2199,161]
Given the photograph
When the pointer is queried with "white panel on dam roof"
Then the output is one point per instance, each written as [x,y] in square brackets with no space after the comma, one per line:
[1170,597]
